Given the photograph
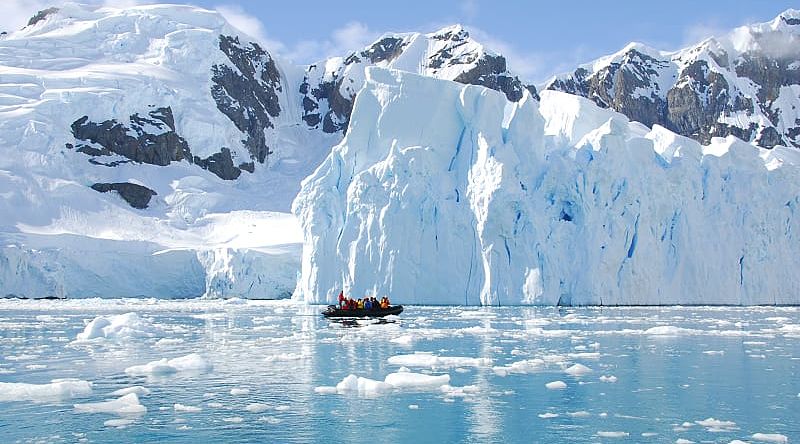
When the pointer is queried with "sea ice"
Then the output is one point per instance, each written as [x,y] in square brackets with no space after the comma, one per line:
[408,380]
[119,422]
[191,363]
[556,385]
[57,389]
[578,370]
[239,391]
[186,408]
[610,378]
[548,415]
[422,359]
[125,405]
[256,407]
[118,327]
[612,434]
[138,389]
[771,437]
[716,425]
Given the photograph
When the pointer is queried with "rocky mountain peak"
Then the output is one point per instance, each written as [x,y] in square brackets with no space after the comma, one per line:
[745,84]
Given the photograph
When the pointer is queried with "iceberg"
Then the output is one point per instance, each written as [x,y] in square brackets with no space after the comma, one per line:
[443,193]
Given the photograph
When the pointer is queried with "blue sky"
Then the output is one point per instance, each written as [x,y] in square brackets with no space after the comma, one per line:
[540,38]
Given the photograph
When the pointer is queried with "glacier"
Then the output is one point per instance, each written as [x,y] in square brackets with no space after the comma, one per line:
[450,194]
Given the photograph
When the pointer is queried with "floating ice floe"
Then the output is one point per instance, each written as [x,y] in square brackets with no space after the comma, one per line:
[669,330]
[138,389]
[57,389]
[119,422]
[612,434]
[406,340]
[256,407]
[239,391]
[579,414]
[770,437]
[520,367]
[548,415]
[117,327]
[610,378]
[186,408]
[423,359]
[402,380]
[191,363]
[716,425]
[683,441]
[578,370]
[125,405]
[556,385]
[283,357]
[461,392]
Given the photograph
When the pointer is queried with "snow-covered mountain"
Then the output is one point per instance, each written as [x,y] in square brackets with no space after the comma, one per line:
[451,194]
[746,84]
[329,87]
[155,150]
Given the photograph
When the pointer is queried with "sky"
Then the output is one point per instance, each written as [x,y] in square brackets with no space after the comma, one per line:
[539,38]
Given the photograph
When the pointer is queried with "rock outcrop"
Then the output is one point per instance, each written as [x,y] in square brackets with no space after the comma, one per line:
[746,84]
[137,196]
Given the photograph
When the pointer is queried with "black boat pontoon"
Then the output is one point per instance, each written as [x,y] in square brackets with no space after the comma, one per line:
[335,312]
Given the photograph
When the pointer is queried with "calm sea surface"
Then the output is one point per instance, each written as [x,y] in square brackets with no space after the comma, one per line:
[644,374]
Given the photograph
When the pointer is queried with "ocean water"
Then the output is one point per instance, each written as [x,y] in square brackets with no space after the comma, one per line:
[268,372]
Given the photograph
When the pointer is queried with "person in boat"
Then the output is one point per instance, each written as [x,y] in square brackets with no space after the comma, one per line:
[360,305]
[368,304]
[375,304]
[341,299]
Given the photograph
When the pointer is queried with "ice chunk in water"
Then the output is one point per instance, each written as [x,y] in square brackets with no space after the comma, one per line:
[57,389]
[556,385]
[193,363]
[578,370]
[117,327]
[138,389]
[187,408]
[770,437]
[126,405]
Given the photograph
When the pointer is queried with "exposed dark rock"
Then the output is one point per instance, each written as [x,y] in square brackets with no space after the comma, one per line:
[791,20]
[137,196]
[147,140]
[247,166]
[221,164]
[248,93]
[490,71]
[150,140]
[41,15]
[385,49]
[699,98]
[769,138]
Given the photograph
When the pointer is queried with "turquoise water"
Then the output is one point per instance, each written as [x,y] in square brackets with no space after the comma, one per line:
[674,368]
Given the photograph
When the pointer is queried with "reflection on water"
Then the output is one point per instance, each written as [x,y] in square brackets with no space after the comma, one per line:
[654,374]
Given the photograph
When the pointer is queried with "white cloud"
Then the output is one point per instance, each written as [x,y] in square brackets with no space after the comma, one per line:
[469,9]
[16,13]
[352,36]
[698,32]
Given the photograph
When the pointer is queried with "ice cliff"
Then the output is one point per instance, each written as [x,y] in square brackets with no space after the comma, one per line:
[450,194]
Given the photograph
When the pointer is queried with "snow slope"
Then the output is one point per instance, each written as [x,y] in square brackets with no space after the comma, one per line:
[445,193]
[155,150]
[160,99]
